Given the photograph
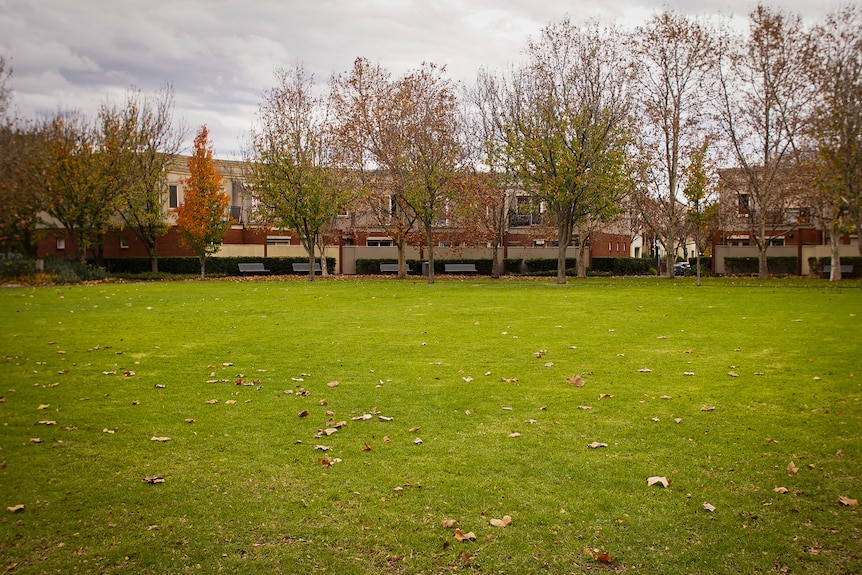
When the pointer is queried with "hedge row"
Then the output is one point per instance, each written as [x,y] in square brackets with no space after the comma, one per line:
[821,265]
[214,266]
[512,266]
[778,265]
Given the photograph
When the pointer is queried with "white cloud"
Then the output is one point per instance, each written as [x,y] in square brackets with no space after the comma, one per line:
[221,54]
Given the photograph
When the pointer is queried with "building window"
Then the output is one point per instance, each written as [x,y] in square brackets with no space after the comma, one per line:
[776,242]
[61,243]
[378,242]
[278,240]
[173,196]
[124,243]
[744,204]
[637,252]
[538,243]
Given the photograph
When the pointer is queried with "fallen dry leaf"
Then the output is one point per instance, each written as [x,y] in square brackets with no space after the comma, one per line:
[386,439]
[35,440]
[332,383]
[657,481]
[781,490]
[211,401]
[413,429]
[417,441]
[15,508]
[153,479]
[732,374]
[366,447]
[596,445]
[363,417]
[459,536]
[549,364]
[448,523]
[467,379]
[43,406]
[605,395]
[792,469]
[585,407]
[230,402]
[709,507]
[509,379]
[677,420]
[708,408]
[190,420]
[47,422]
[843,500]
[303,413]
[160,439]
[514,434]
[323,447]
[501,522]
[645,370]
[576,381]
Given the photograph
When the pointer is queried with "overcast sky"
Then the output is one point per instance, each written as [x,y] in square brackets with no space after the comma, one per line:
[220,55]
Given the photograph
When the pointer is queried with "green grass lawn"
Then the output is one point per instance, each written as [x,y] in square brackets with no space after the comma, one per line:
[717,388]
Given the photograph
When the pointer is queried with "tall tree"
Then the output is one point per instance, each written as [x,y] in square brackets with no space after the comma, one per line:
[434,155]
[677,57]
[485,198]
[567,125]
[21,163]
[148,144]
[77,190]
[371,127]
[296,178]
[21,159]
[201,218]
[697,191]
[836,126]
[764,97]
[406,135]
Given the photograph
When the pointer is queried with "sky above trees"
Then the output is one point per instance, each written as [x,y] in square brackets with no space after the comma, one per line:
[220,56]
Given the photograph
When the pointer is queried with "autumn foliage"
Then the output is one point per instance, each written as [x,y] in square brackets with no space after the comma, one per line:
[201,217]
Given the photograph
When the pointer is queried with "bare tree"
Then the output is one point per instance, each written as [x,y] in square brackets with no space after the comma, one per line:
[836,126]
[764,96]
[407,143]
[295,179]
[567,124]
[677,58]
[147,142]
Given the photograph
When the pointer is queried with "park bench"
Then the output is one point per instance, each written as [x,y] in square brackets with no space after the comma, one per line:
[460,268]
[846,270]
[302,267]
[252,268]
[391,268]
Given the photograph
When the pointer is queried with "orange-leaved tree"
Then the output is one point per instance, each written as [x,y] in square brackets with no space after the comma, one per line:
[201,217]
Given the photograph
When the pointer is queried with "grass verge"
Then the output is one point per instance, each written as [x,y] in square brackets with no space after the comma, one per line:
[717,388]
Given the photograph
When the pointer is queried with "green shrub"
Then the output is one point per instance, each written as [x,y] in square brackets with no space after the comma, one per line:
[777,265]
[621,266]
[537,266]
[71,271]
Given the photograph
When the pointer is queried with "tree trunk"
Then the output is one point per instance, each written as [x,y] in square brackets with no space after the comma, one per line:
[564,237]
[430,243]
[834,245]
[203,259]
[762,246]
[311,261]
[402,258]
[670,260]
[495,260]
[582,258]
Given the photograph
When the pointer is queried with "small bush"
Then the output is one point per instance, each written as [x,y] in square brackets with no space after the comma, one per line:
[778,265]
[621,266]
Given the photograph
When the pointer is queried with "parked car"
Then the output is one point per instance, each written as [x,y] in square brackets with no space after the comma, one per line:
[680,268]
